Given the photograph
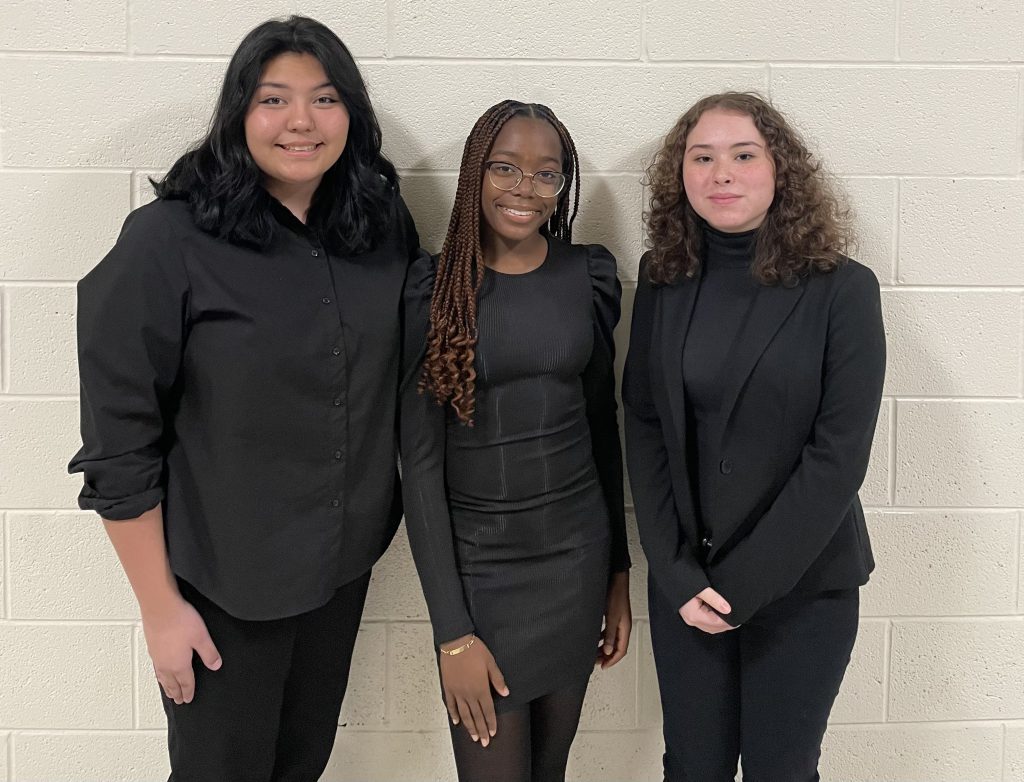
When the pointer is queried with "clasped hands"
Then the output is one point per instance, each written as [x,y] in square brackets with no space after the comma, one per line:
[700,612]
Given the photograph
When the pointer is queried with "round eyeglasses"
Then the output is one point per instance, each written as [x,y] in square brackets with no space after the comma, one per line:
[507,176]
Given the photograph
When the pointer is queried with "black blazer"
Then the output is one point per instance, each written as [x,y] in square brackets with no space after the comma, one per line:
[800,402]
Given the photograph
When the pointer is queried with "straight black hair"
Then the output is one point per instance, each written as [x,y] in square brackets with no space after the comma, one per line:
[354,203]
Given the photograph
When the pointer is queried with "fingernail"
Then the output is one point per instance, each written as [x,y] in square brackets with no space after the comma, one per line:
[492,732]
[484,742]
[607,649]
[475,738]
[216,665]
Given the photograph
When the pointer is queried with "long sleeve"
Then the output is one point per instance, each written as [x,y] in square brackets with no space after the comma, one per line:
[422,428]
[599,392]
[798,525]
[132,313]
[673,565]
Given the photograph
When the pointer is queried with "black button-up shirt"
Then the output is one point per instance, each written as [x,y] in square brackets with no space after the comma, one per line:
[253,393]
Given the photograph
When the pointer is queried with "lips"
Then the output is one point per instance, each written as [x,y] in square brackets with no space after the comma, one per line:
[723,198]
[300,149]
[517,214]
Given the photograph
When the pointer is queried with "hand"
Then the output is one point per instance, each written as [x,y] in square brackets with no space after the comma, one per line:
[618,622]
[467,679]
[171,635]
[697,612]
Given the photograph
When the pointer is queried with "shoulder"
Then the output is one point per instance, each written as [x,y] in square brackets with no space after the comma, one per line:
[419,280]
[850,278]
[159,220]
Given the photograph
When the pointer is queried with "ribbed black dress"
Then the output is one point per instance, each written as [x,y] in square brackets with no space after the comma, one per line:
[516,522]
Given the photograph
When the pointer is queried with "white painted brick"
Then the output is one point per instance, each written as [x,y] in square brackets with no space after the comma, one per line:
[116,113]
[96,26]
[39,439]
[63,567]
[904,120]
[430,198]
[142,188]
[957,670]
[3,574]
[755,30]
[1020,569]
[57,677]
[648,694]
[912,753]
[157,25]
[394,588]
[4,738]
[875,490]
[957,344]
[951,30]
[960,454]
[611,695]
[91,757]
[361,756]
[862,696]
[609,214]
[414,686]
[43,354]
[1014,761]
[942,564]
[961,232]
[619,755]
[874,205]
[57,226]
[150,707]
[365,701]
[571,28]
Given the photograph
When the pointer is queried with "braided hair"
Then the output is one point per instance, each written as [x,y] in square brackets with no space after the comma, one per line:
[448,373]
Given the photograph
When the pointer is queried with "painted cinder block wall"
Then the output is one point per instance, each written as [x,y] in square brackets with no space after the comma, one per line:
[918,107]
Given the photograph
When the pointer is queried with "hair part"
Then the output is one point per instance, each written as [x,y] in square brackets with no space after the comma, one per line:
[448,371]
[353,205]
[808,225]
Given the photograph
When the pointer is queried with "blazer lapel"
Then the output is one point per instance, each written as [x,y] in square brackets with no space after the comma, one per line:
[675,307]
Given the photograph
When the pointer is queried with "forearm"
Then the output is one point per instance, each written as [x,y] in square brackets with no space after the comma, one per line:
[140,546]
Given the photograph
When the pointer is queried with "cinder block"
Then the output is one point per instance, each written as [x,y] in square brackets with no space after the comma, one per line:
[942,564]
[620,755]
[394,588]
[63,567]
[609,214]
[142,188]
[862,696]
[850,115]
[414,686]
[65,677]
[1014,760]
[140,113]
[912,753]
[4,739]
[150,707]
[960,232]
[957,670]
[611,695]
[394,757]
[960,454]
[91,757]
[948,30]
[430,197]
[860,30]
[3,574]
[874,206]
[956,344]
[39,439]
[1020,569]
[57,226]
[365,700]
[875,491]
[96,26]
[572,28]
[43,355]
[157,28]
[648,694]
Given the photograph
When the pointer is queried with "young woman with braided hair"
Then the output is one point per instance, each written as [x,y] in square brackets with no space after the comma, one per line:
[511,461]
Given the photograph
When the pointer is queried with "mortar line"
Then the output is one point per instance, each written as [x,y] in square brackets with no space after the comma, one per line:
[644,54]
[896,232]
[389,27]
[898,9]
[135,678]
[10,755]
[5,339]
[1020,119]
[893,407]
[1020,552]
[886,673]
[6,535]
[128,27]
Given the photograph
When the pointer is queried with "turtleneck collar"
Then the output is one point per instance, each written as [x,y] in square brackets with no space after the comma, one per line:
[729,250]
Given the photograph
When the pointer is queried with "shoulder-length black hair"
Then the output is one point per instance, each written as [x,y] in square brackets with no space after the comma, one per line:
[354,203]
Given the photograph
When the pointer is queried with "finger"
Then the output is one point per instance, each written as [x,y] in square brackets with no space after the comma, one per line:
[467,719]
[490,718]
[478,718]
[170,688]
[715,600]
[452,706]
[187,682]
[621,645]
[497,679]
[208,652]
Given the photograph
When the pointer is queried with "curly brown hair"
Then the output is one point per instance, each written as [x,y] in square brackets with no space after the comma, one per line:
[808,225]
[448,373]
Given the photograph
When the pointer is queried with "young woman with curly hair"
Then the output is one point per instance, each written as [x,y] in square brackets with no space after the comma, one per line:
[511,465]
[752,386]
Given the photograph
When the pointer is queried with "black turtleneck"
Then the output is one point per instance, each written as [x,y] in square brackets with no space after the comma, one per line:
[724,300]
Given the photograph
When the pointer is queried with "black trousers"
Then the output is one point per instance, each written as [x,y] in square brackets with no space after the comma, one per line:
[270,714]
[761,692]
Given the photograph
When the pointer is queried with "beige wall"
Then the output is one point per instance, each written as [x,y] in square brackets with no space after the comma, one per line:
[916,104]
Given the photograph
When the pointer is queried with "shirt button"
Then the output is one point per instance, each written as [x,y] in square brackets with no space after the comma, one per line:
[316,253]
[725,466]
[706,543]
[325,300]
[337,401]
[335,503]
[336,351]
[337,455]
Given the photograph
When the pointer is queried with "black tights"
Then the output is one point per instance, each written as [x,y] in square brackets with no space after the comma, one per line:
[531,744]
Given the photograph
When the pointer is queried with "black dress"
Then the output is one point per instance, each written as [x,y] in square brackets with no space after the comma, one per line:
[516,522]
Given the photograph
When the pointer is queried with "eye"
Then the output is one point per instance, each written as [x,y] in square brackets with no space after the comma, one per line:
[273,100]
[547,176]
[745,156]
[327,100]
[702,159]
[502,168]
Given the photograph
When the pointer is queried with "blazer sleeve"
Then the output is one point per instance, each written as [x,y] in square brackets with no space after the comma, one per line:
[422,442]
[808,510]
[675,569]
[599,392]
[132,322]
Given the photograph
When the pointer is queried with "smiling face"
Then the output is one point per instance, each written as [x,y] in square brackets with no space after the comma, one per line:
[517,215]
[728,173]
[296,127]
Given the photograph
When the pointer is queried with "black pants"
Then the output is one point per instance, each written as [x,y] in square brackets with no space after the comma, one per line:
[761,692]
[270,714]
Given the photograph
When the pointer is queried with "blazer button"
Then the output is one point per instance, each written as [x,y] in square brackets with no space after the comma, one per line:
[706,543]
[725,466]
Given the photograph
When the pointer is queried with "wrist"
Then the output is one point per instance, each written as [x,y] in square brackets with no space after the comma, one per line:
[457,646]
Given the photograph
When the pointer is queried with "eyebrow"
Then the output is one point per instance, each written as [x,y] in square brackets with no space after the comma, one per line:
[508,153]
[737,144]
[279,86]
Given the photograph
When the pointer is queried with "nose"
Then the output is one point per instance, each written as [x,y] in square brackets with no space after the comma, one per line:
[722,173]
[300,118]
[524,189]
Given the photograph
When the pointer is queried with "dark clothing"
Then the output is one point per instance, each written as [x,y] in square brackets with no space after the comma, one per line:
[517,521]
[253,393]
[270,714]
[767,687]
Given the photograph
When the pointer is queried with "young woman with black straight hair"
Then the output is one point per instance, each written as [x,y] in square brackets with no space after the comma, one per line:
[239,360]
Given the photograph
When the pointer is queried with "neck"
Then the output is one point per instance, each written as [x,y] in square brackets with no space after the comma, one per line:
[295,198]
[514,257]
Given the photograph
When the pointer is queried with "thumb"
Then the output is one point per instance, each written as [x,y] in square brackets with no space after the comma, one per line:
[208,652]
[716,601]
[497,680]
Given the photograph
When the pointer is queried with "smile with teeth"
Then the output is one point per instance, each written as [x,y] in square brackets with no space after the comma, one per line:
[298,148]
[518,212]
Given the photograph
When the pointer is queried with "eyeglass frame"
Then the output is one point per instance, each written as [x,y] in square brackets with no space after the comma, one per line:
[523,175]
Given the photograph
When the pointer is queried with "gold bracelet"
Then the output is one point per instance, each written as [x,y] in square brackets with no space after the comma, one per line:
[458,649]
